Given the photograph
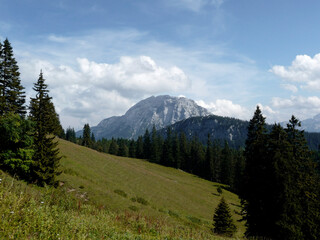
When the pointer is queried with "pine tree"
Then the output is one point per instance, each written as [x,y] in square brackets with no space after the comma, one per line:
[114,147]
[155,146]
[209,160]
[132,149]
[253,192]
[167,151]
[71,135]
[139,148]
[184,150]
[226,165]
[146,145]
[46,159]
[223,223]
[86,141]
[12,96]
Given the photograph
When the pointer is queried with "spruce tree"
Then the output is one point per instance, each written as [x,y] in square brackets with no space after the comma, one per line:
[223,223]
[256,177]
[155,146]
[139,148]
[12,96]
[146,145]
[209,160]
[46,157]
[86,141]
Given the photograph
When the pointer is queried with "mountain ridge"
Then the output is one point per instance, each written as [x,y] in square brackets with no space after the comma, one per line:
[160,111]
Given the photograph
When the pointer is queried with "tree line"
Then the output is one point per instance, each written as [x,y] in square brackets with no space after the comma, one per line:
[27,146]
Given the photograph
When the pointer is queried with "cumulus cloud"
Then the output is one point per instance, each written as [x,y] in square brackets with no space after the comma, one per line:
[304,69]
[132,76]
[96,90]
[226,108]
[300,106]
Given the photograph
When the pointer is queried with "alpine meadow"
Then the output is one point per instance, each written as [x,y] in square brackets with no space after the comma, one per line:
[168,120]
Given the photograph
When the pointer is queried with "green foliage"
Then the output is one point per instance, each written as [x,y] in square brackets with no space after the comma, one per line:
[223,223]
[86,136]
[71,135]
[12,98]
[219,190]
[280,192]
[46,156]
[16,151]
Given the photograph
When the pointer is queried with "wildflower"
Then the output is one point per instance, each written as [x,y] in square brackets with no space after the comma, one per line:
[12,212]
[42,202]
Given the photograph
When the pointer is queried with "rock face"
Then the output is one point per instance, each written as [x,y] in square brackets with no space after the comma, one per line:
[311,124]
[160,111]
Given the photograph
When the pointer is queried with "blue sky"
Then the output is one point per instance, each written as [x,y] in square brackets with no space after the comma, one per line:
[101,57]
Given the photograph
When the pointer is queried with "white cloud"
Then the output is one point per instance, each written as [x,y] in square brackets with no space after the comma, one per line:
[97,90]
[226,108]
[304,69]
[301,107]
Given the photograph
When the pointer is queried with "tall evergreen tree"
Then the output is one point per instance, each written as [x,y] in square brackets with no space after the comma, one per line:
[12,96]
[227,165]
[86,141]
[184,150]
[146,145]
[71,135]
[139,148]
[209,160]
[46,157]
[253,192]
[155,146]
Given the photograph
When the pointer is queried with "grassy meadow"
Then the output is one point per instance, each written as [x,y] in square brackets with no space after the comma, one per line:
[108,197]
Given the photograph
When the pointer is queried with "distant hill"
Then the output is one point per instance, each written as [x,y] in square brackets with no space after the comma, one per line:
[160,111]
[232,130]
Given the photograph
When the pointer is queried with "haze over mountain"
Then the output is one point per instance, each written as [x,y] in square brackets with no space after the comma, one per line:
[311,124]
[160,111]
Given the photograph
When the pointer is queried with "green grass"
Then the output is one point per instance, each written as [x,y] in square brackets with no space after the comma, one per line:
[95,201]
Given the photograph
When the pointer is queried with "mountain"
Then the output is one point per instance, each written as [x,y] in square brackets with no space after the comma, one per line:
[232,130]
[160,111]
[311,124]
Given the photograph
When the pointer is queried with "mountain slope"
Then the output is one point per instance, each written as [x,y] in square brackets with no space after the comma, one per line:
[180,198]
[108,197]
[232,130]
[160,111]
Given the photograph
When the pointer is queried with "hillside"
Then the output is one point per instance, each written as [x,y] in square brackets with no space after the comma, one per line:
[134,198]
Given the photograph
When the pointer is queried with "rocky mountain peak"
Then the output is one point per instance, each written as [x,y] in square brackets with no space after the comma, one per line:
[159,111]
